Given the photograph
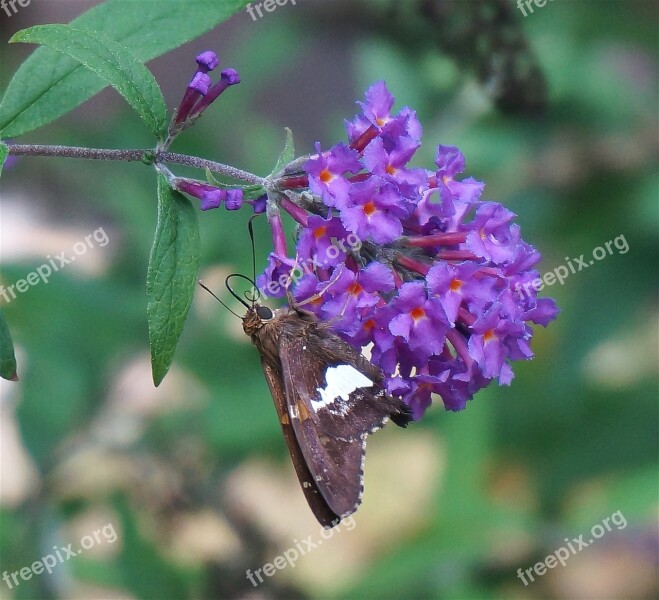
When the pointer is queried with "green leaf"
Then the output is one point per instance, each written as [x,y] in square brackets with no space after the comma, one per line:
[110,61]
[7,358]
[250,192]
[49,84]
[172,275]
[4,153]
[288,153]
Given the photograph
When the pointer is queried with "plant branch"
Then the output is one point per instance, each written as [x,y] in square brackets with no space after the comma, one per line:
[215,167]
[146,156]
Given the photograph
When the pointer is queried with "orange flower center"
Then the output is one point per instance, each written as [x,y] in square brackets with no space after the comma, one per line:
[369,208]
[380,121]
[369,324]
[355,289]
[391,170]
[326,176]
[418,313]
[319,232]
[456,284]
[489,335]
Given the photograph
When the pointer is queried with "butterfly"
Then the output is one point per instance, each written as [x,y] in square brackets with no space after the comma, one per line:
[328,398]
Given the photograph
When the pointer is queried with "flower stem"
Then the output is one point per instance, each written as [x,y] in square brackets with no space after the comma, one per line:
[215,167]
[412,264]
[362,141]
[293,182]
[299,214]
[439,239]
[278,235]
[456,255]
[149,156]
[76,152]
[459,343]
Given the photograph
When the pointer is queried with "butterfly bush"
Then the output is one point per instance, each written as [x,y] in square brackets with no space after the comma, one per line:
[406,261]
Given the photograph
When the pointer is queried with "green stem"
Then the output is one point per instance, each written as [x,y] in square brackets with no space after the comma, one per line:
[150,156]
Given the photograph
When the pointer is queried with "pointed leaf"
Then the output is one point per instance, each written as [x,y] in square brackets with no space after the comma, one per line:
[172,275]
[110,61]
[288,153]
[49,84]
[7,358]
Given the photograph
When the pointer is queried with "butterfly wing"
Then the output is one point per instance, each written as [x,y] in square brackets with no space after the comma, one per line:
[325,515]
[328,397]
[335,465]
[343,392]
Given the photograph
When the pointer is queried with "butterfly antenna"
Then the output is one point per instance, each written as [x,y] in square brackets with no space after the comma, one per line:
[250,227]
[251,296]
[216,298]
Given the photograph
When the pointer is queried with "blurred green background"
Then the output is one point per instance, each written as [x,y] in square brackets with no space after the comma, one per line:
[194,476]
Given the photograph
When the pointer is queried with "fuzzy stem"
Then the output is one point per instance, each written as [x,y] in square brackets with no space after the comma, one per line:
[201,163]
[148,156]
[76,152]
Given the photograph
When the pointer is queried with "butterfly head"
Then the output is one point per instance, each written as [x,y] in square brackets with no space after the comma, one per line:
[256,317]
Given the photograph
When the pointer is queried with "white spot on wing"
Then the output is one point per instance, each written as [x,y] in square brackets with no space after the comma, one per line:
[293,411]
[342,381]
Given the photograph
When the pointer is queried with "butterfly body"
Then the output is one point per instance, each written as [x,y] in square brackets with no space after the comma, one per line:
[328,399]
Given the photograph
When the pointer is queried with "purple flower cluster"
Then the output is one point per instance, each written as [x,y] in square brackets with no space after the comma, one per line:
[199,94]
[210,195]
[408,261]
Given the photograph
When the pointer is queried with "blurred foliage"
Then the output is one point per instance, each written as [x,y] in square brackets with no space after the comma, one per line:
[194,475]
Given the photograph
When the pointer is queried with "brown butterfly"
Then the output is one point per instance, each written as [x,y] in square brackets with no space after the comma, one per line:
[328,397]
